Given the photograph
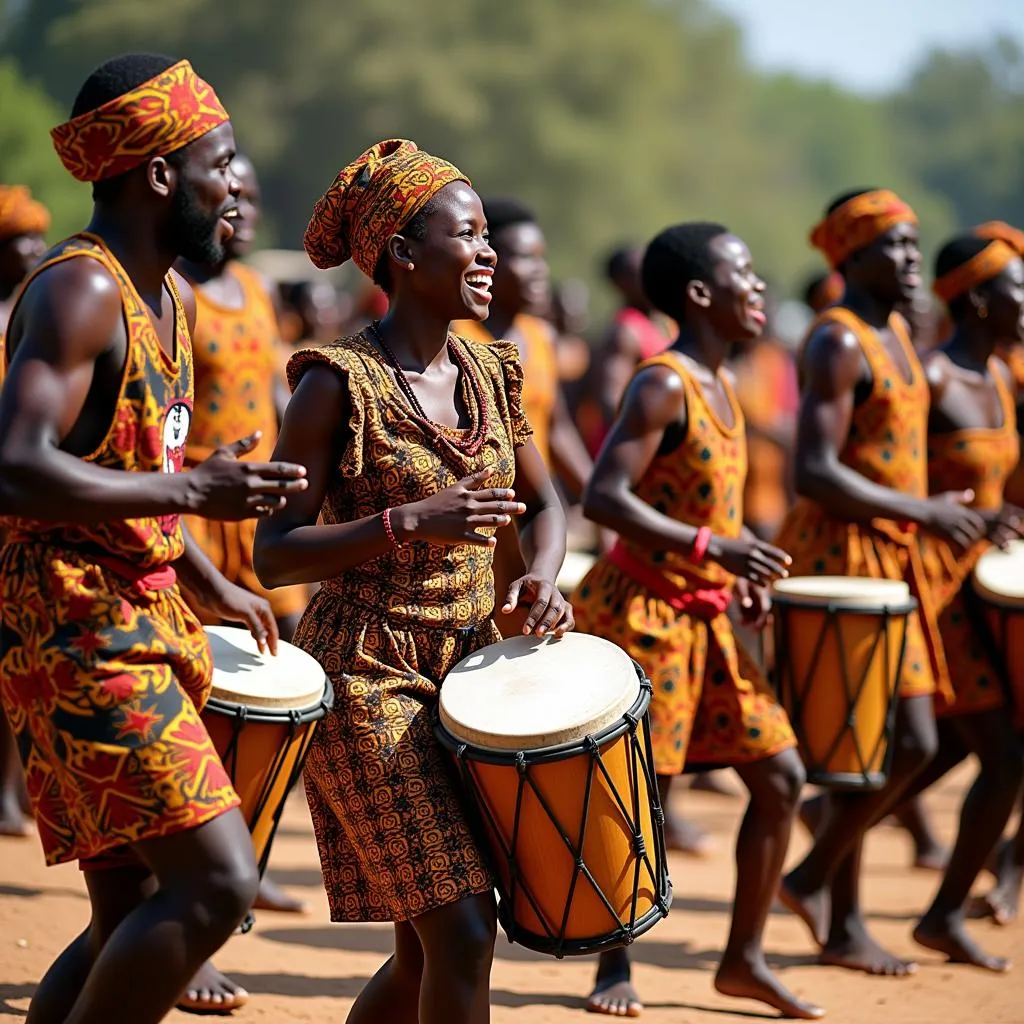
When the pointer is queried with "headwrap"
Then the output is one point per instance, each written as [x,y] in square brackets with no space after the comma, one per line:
[371,199]
[858,222]
[153,119]
[992,260]
[20,214]
[827,292]
[1001,231]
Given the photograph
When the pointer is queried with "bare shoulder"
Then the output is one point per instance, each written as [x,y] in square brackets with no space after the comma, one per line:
[937,368]
[656,397]
[833,360]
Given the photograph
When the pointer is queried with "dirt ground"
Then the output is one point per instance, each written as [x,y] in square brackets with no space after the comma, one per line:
[305,969]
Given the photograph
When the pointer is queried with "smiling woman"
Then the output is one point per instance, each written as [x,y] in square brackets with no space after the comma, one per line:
[417,451]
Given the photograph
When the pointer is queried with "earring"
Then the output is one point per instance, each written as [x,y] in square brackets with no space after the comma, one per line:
[409,266]
[982,312]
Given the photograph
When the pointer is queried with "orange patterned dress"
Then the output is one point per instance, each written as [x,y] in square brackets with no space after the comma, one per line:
[887,445]
[711,705]
[103,668]
[980,459]
[540,371]
[236,365]
[389,822]
[1013,356]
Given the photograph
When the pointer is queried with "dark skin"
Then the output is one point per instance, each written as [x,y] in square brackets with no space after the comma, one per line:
[440,971]
[18,255]
[68,349]
[835,379]
[965,397]
[719,312]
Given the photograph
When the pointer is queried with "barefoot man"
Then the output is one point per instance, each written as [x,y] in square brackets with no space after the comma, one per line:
[862,477]
[103,668]
[669,482]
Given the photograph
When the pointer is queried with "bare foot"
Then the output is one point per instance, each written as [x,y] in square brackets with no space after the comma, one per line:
[270,897]
[933,857]
[1000,905]
[683,836]
[745,980]
[812,908]
[812,812]
[857,951]
[615,999]
[950,937]
[713,782]
[12,821]
[999,858]
[210,992]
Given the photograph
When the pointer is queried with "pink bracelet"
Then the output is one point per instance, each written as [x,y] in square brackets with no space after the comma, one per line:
[386,516]
[700,545]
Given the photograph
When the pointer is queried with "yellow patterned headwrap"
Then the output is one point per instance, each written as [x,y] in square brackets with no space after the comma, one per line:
[154,119]
[992,260]
[1003,232]
[20,214]
[858,222]
[371,199]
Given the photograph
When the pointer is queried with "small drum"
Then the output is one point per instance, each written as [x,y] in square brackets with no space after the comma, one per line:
[261,715]
[576,565]
[998,585]
[552,740]
[839,643]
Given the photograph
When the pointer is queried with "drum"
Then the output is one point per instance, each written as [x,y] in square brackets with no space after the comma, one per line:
[998,585]
[576,565]
[261,715]
[552,741]
[839,644]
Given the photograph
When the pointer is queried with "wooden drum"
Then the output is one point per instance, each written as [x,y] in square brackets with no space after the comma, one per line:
[998,585]
[552,740]
[839,644]
[261,715]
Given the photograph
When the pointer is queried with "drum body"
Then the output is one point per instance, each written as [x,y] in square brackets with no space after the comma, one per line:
[575,566]
[560,772]
[839,644]
[261,715]
[998,593]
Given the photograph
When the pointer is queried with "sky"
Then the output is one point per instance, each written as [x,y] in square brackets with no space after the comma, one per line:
[867,45]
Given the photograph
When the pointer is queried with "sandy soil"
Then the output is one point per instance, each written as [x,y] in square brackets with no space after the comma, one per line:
[304,969]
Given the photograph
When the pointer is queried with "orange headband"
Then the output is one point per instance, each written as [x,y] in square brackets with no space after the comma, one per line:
[858,222]
[1001,231]
[20,214]
[992,260]
[154,119]
[372,199]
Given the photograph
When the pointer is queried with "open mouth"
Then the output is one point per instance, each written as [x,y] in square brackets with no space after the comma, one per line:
[227,221]
[911,279]
[755,311]
[479,284]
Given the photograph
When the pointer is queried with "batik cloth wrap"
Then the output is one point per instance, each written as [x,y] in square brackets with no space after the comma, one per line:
[1003,232]
[858,222]
[158,117]
[372,199]
[982,267]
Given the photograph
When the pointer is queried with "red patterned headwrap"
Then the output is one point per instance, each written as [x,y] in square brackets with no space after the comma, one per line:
[999,230]
[858,222]
[992,260]
[154,119]
[20,214]
[371,199]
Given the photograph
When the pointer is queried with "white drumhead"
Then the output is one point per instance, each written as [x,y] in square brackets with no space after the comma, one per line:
[576,565]
[999,575]
[291,681]
[524,693]
[843,591]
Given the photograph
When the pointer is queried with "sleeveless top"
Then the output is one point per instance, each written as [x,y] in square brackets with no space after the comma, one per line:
[651,339]
[980,458]
[236,364]
[148,429]
[1013,356]
[700,482]
[540,372]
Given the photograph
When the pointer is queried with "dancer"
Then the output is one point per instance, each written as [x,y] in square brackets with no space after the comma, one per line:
[417,451]
[103,668]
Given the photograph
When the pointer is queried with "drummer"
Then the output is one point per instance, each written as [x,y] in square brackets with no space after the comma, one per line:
[861,471]
[972,445]
[417,451]
[669,482]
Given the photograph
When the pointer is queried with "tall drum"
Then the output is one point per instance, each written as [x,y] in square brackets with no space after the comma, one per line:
[839,644]
[998,585]
[552,741]
[261,715]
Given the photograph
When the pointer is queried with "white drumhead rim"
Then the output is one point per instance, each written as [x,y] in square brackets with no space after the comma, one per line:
[858,592]
[291,662]
[494,699]
[999,576]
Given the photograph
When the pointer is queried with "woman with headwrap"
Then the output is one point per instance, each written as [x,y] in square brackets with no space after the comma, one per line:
[417,451]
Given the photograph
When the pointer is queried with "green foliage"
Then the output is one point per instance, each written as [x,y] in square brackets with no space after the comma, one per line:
[612,117]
